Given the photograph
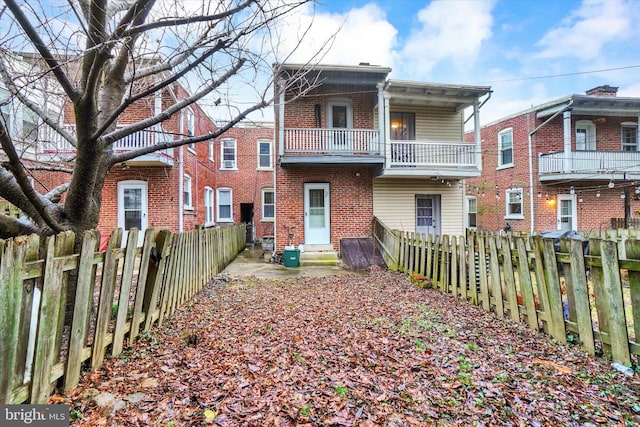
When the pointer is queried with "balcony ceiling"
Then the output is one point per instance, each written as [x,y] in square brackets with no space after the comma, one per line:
[330,78]
[594,105]
[434,94]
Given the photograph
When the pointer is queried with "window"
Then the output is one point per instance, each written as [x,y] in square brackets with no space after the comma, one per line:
[208,206]
[268,205]
[29,126]
[211,148]
[629,134]
[191,128]
[585,135]
[514,203]
[472,212]
[264,154]
[225,213]
[186,192]
[228,154]
[5,113]
[505,148]
[403,126]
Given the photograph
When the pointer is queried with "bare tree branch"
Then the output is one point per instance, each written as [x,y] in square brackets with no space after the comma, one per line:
[11,227]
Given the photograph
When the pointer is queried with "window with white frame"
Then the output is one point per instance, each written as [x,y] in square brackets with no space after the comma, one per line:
[629,134]
[5,113]
[585,135]
[191,128]
[264,154]
[187,193]
[208,206]
[211,148]
[268,205]
[229,148]
[514,203]
[29,126]
[225,200]
[472,212]
[505,148]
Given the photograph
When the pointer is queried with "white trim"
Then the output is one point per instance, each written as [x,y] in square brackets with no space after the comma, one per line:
[629,125]
[144,206]
[188,189]
[590,135]
[467,212]
[267,190]
[500,149]
[574,210]
[339,102]
[268,141]
[507,202]
[212,148]
[229,164]
[209,206]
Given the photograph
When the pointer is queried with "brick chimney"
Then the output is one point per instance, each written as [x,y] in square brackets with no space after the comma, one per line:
[605,90]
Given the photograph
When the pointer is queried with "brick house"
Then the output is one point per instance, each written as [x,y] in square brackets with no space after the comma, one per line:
[572,163]
[355,145]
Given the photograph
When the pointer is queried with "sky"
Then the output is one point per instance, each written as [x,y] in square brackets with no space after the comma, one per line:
[528,51]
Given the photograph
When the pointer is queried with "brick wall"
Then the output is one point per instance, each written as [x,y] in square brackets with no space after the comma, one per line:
[301,113]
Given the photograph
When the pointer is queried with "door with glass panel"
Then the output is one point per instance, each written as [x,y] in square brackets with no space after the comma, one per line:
[316,214]
[567,212]
[132,208]
[428,214]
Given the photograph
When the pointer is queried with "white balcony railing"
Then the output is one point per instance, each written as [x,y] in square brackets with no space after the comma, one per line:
[426,154]
[54,144]
[580,162]
[331,141]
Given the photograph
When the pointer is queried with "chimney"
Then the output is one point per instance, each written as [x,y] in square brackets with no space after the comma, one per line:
[605,90]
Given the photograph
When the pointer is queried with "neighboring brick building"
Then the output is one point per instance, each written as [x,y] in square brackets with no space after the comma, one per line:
[573,161]
[357,145]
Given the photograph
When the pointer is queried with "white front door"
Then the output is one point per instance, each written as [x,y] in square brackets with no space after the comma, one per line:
[567,212]
[428,215]
[316,214]
[132,208]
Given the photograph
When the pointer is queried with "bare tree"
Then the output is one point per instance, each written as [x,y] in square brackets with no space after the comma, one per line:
[84,62]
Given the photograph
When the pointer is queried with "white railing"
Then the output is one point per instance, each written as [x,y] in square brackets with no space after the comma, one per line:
[589,162]
[331,141]
[417,154]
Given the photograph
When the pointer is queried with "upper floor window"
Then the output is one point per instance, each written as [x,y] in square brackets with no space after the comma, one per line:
[505,147]
[268,205]
[190,128]
[472,212]
[5,115]
[225,199]
[339,114]
[514,203]
[585,135]
[211,148]
[403,126]
[264,154]
[229,155]
[629,135]
[29,126]
[187,193]
[208,206]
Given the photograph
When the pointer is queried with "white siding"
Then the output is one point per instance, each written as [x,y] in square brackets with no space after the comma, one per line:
[432,123]
[394,203]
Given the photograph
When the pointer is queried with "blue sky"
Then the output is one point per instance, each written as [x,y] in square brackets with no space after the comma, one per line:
[529,51]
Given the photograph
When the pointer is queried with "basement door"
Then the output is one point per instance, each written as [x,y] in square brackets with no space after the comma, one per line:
[132,208]
[316,214]
[428,215]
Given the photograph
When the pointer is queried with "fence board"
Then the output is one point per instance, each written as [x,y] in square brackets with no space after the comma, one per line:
[633,252]
[578,277]
[145,255]
[126,280]
[554,294]
[524,275]
[11,296]
[483,274]
[509,280]
[496,281]
[454,267]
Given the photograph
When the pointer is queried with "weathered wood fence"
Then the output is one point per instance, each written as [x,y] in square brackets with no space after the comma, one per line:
[49,331]
[594,298]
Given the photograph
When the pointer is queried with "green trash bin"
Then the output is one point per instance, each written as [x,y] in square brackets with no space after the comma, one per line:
[292,257]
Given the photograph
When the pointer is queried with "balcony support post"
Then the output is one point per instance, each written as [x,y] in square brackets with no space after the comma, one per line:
[387,132]
[382,111]
[566,164]
[478,137]
[281,88]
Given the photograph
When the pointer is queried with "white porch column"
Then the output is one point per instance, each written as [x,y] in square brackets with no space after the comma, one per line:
[387,132]
[280,102]
[478,137]
[381,119]
[566,163]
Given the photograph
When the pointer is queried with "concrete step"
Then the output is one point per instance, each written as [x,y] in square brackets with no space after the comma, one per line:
[309,258]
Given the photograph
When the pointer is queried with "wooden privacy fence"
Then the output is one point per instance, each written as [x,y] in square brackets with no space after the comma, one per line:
[592,299]
[50,328]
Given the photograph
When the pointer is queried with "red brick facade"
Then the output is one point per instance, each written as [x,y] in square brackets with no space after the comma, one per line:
[596,202]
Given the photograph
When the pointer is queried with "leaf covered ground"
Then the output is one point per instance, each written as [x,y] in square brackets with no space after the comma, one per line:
[350,350]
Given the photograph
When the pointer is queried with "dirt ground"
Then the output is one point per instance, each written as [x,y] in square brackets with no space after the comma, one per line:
[353,350]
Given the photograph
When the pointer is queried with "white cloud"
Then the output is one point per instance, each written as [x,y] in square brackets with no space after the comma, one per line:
[587,30]
[361,35]
[450,31]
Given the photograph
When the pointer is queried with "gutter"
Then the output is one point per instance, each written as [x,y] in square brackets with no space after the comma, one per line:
[530,147]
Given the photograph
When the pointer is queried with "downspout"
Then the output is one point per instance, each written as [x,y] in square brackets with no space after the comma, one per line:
[181,180]
[279,137]
[530,148]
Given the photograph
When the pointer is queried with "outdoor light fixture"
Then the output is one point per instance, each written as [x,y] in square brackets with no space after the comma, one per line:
[539,193]
[580,200]
[622,194]
[598,193]
[611,184]
[572,190]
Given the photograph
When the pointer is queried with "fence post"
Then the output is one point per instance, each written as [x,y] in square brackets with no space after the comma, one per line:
[524,274]
[633,252]
[581,295]
[453,270]
[509,280]
[496,281]
[141,284]
[155,279]
[547,253]
[125,293]
[482,273]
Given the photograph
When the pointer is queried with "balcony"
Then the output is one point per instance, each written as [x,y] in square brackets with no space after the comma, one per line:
[589,165]
[331,146]
[57,148]
[456,160]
